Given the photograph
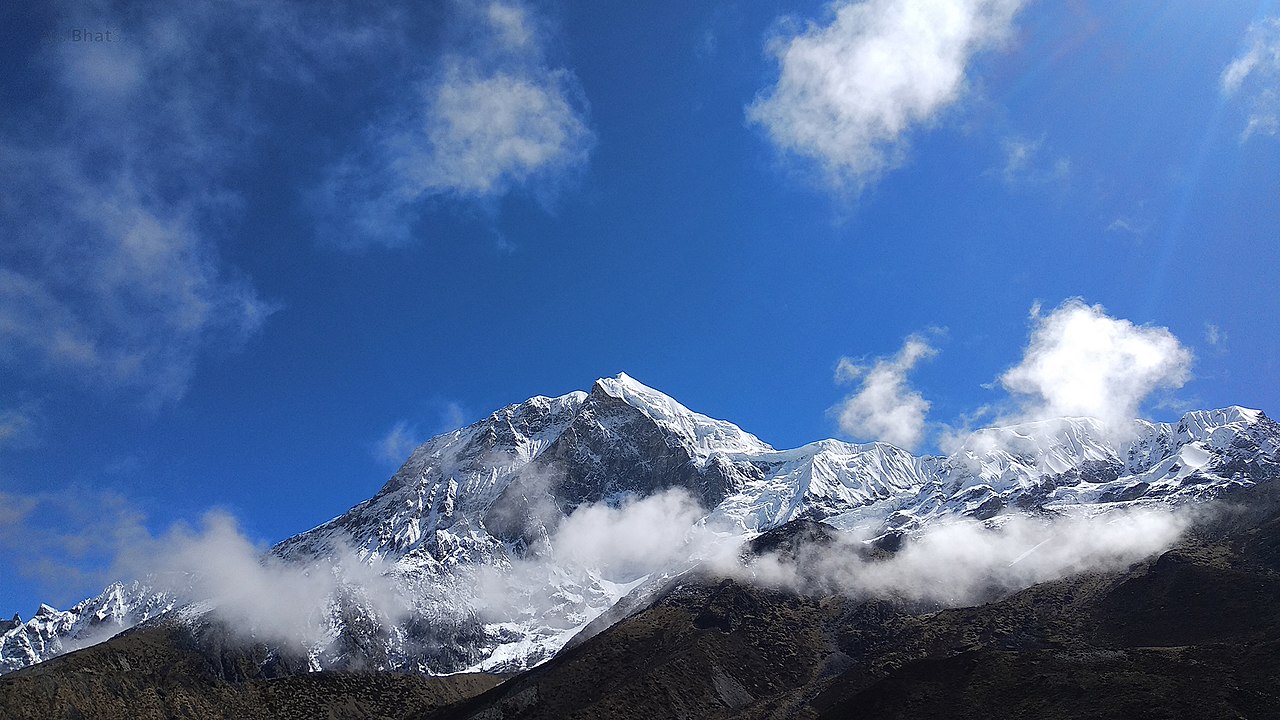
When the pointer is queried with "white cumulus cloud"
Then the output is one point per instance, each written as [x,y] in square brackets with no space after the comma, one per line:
[885,406]
[1082,362]
[849,92]
[488,132]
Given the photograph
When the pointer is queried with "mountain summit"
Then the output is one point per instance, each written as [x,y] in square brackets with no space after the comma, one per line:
[482,504]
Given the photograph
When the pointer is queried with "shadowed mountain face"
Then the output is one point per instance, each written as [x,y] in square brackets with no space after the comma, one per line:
[610,449]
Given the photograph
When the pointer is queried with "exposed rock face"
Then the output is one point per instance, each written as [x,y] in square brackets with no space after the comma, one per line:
[614,449]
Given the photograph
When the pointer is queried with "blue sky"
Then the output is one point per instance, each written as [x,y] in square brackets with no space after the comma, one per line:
[253,252]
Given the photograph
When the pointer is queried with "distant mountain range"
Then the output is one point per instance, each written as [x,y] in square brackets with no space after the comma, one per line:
[484,504]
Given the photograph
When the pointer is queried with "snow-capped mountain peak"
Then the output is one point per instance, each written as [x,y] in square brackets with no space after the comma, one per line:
[704,435]
[488,498]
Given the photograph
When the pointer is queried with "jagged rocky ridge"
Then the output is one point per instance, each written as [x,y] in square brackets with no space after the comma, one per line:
[474,500]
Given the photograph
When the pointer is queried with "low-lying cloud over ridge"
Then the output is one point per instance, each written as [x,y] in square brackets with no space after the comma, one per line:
[590,559]
[966,561]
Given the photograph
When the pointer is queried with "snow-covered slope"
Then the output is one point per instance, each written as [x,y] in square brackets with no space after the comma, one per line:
[480,503]
[1053,465]
[52,632]
[431,510]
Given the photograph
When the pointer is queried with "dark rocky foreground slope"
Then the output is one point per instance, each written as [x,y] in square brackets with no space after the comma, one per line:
[1192,633]
[171,669]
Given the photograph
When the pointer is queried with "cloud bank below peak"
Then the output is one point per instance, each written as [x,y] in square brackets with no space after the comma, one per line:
[850,92]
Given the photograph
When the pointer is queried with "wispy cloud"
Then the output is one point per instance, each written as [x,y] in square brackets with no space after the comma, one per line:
[452,416]
[405,436]
[1018,154]
[116,193]
[1256,73]
[1129,225]
[1025,164]
[17,425]
[1215,336]
[1082,362]
[65,541]
[493,115]
[398,443]
[850,91]
[118,187]
[885,407]
[112,289]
